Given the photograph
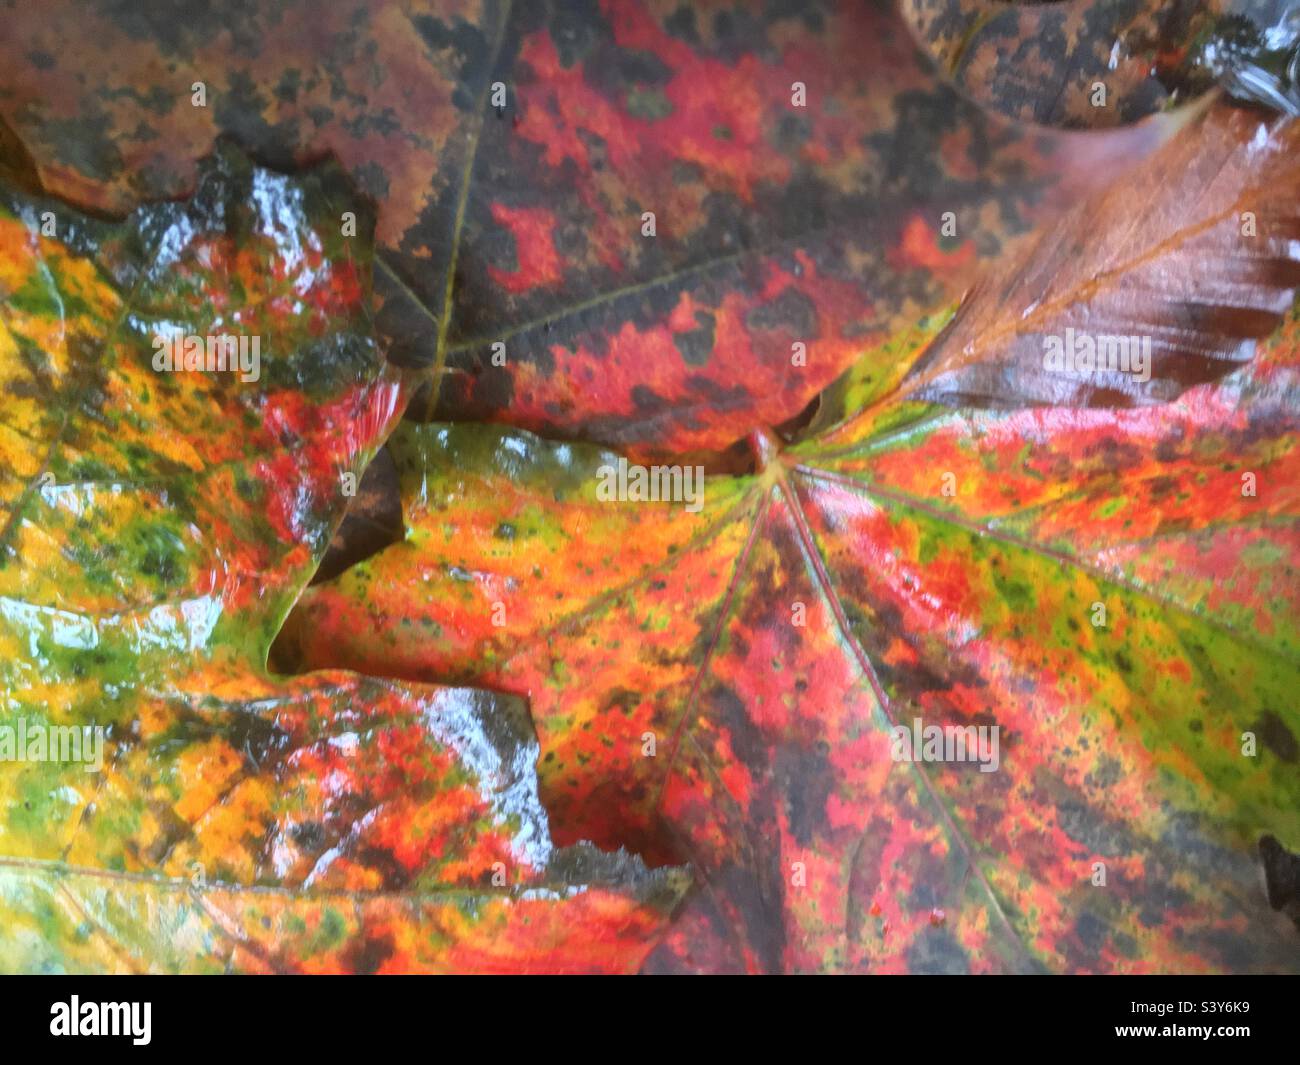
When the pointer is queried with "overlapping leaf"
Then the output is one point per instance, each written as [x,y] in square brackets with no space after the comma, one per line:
[1116,591]
[1096,63]
[1184,282]
[776,222]
[1187,284]
[1044,62]
[154,529]
[1121,743]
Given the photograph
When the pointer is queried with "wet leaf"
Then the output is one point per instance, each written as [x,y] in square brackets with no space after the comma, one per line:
[643,627]
[1082,63]
[1103,603]
[1088,64]
[166,803]
[1115,590]
[1199,259]
[515,151]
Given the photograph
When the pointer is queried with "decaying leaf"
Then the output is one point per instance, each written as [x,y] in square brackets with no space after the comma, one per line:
[973,663]
[165,803]
[1081,63]
[1089,64]
[723,684]
[815,183]
[1198,256]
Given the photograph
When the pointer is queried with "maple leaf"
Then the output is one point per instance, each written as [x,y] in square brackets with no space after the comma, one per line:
[165,803]
[1095,63]
[726,682]
[1081,63]
[515,151]
[1192,273]
[1113,591]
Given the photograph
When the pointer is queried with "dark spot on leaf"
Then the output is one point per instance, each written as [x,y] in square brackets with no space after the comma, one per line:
[1279,739]
[697,345]
[1281,876]
[372,521]
[367,956]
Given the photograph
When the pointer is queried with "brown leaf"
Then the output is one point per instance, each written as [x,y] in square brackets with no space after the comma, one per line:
[798,162]
[1198,257]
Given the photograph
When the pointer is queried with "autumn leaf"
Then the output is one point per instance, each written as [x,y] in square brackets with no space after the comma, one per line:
[1193,273]
[1088,64]
[329,824]
[665,229]
[1081,63]
[765,646]
[815,184]
[720,679]
[165,803]
[1202,271]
